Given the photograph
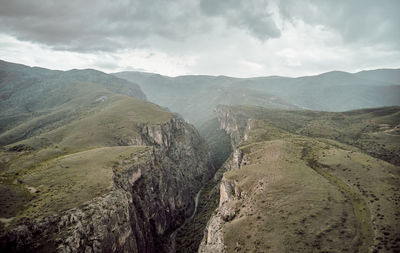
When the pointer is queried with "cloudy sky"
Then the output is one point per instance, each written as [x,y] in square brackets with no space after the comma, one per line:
[231,37]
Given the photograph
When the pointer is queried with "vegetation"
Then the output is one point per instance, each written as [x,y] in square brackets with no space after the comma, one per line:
[305,188]
[309,180]
[190,235]
[195,97]
[60,152]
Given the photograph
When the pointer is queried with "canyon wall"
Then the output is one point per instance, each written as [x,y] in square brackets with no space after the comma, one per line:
[238,129]
[151,195]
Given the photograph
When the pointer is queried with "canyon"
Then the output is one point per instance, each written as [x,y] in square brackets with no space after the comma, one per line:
[91,163]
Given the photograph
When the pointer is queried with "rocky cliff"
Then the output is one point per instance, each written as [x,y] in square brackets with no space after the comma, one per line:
[238,128]
[151,195]
[293,185]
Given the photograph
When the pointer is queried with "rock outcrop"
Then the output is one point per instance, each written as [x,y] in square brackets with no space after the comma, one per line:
[234,124]
[152,194]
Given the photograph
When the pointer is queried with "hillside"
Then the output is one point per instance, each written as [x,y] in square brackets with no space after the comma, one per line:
[300,181]
[87,164]
[28,93]
[81,151]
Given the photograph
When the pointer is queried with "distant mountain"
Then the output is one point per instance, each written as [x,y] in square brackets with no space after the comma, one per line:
[194,96]
[384,75]
[332,91]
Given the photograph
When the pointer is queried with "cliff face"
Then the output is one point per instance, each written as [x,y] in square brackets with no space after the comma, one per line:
[285,191]
[238,129]
[234,124]
[213,240]
[152,193]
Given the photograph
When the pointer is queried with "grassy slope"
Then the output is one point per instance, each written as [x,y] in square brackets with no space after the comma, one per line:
[28,93]
[376,131]
[69,162]
[68,181]
[105,125]
[306,192]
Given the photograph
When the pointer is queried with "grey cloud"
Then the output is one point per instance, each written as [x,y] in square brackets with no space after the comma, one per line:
[102,25]
[252,15]
[365,22]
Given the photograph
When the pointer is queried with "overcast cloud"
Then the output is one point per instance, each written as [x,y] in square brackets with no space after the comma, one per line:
[232,37]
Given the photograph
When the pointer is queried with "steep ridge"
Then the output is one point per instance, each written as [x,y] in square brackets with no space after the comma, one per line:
[95,169]
[189,236]
[289,190]
[87,165]
[150,194]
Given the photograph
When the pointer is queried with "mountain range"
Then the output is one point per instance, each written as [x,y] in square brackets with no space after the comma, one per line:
[140,162]
[195,97]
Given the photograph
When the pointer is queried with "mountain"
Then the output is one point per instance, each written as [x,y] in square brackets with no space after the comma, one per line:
[194,97]
[29,93]
[384,75]
[87,163]
[306,181]
[333,91]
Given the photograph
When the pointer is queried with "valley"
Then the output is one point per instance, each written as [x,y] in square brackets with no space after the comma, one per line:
[94,162]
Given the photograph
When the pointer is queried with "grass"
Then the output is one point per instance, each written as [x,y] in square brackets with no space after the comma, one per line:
[286,205]
[359,128]
[105,127]
[81,109]
[63,158]
[69,181]
[360,208]
[311,184]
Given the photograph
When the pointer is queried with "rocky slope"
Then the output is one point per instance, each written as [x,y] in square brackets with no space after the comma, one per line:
[86,165]
[290,187]
[151,194]
[237,128]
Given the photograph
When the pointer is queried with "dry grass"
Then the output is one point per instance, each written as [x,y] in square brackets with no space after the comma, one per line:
[69,181]
[287,207]
[305,189]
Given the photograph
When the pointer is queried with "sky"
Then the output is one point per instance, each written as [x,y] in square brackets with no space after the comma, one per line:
[231,37]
